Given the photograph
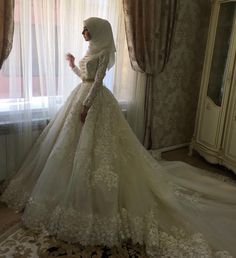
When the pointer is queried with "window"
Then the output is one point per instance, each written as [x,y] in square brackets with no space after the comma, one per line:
[36,75]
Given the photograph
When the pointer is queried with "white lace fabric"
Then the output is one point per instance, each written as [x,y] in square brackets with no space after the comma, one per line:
[94,183]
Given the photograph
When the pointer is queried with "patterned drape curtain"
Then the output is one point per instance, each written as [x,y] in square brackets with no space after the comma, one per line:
[149,28]
[6,28]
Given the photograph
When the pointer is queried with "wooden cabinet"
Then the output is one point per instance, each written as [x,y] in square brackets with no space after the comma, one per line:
[215,128]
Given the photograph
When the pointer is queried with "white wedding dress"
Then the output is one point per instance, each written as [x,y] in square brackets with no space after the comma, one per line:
[94,183]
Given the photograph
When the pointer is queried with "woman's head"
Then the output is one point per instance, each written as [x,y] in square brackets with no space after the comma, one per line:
[86,34]
[98,32]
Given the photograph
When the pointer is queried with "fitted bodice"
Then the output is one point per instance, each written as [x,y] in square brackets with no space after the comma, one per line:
[92,69]
[88,68]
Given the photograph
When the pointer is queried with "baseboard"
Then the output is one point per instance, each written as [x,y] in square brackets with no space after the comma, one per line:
[173,147]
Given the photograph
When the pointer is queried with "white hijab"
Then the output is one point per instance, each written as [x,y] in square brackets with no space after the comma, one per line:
[101,38]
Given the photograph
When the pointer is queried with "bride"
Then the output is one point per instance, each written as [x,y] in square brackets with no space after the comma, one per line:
[88,180]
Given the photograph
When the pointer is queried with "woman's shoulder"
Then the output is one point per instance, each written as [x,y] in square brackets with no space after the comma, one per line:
[104,53]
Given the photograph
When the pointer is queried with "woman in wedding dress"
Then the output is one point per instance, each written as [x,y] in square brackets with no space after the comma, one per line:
[88,180]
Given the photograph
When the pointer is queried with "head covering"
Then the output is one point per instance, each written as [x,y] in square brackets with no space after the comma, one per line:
[101,38]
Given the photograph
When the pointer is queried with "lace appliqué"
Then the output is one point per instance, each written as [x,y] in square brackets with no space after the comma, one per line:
[106,176]
[182,193]
[102,138]
[100,71]
[178,244]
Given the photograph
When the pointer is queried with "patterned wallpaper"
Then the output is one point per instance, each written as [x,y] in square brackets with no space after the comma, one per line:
[175,92]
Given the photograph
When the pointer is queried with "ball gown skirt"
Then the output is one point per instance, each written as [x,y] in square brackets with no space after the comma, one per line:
[95,184]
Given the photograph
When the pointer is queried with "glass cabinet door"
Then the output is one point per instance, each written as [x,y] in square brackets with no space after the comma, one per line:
[220,52]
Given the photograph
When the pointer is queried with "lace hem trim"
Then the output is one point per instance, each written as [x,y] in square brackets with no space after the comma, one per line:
[113,230]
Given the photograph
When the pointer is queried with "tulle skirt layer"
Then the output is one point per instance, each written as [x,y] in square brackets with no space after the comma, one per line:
[94,183]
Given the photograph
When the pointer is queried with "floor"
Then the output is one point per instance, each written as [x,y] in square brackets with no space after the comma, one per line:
[8,217]
[197,161]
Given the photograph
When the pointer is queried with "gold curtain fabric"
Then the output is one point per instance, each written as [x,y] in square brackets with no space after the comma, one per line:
[149,28]
[6,28]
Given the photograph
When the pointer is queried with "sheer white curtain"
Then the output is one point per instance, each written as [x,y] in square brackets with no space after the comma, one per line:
[129,85]
[36,79]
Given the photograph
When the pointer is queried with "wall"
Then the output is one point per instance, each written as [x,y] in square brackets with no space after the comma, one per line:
[175,92]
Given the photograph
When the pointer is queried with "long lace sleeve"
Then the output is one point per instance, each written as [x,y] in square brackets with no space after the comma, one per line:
[100,74]
[76,70]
